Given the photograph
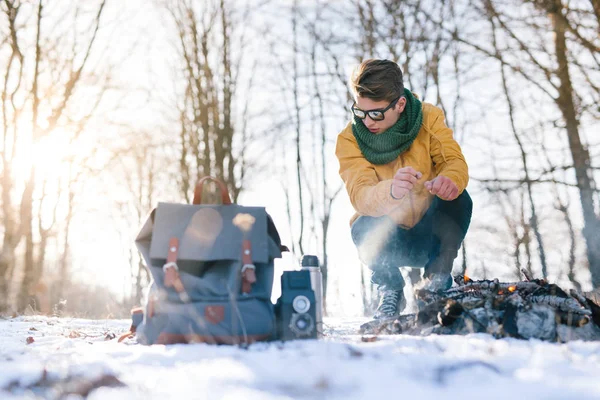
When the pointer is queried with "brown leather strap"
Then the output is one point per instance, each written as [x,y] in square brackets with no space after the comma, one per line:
[248,268]
[225,199]
[171,270]
[173,250]
[246,252]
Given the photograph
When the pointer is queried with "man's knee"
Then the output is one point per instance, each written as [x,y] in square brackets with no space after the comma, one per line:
[358,230]
[466,203]
[457,212]
[363,227]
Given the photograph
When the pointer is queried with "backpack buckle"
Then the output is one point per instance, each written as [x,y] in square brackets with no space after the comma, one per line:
[248,266]
[248,277]
[170,264]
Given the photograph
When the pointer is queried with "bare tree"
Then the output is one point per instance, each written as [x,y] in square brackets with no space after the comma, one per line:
[563,207]
[144,165]
[10,113]
[524,160]
[298,126]
[328,193]
[550,70]
[208,136]
[39,84]
[581,156]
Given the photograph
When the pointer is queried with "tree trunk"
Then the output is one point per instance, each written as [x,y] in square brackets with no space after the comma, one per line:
[29,272]
[363,292]
[7,253]
[581,156]
[596,7]
[27,199]
[325,262]
[298,127]
[64,258]
[463,268]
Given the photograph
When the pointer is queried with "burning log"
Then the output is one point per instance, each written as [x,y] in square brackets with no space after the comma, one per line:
[593,296]
[528,309]
[486,285]
[566,305]
[526,274]
[571,319]
[452,310]
[536,322]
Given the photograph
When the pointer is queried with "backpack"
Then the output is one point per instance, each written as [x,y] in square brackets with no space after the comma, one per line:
[212,269]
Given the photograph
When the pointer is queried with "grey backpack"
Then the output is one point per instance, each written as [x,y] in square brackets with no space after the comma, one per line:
[212,273]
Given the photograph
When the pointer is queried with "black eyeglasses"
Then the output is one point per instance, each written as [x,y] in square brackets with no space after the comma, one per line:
[375,114]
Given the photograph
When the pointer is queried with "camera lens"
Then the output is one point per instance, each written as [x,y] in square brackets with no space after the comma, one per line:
[302,324]
[301,304]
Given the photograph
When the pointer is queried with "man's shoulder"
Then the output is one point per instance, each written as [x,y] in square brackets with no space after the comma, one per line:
[431,114]
[347,130]
[346,133]
[430,110]
[346,142]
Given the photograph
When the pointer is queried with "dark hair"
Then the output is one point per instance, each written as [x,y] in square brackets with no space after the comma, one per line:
[377,80]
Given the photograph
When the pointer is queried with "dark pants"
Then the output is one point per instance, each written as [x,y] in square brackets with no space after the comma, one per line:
[431,244]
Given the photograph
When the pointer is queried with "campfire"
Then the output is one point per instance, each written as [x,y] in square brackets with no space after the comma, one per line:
[532,308]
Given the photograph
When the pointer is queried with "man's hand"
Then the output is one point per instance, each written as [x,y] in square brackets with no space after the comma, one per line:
[403,181]
[443,187]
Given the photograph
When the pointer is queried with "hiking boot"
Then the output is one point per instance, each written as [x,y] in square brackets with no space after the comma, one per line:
[390,304]
[438,272]
[438,282]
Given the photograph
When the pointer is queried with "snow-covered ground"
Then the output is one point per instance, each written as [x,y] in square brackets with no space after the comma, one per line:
[81,356]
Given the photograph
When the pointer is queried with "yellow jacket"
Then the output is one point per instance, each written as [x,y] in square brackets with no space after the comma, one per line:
[434,152]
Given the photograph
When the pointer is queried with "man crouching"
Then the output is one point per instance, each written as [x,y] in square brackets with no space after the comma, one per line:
[406,178]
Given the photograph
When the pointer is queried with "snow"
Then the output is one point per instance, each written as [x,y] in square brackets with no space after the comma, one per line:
[66,353]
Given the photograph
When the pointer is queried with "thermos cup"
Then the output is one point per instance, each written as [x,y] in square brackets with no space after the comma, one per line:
[311,263]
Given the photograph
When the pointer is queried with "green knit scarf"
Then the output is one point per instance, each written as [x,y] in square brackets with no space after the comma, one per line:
[387,146]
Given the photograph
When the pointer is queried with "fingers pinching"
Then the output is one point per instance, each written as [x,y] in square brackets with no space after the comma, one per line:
[408,173]
[405,184]
[406,170]
[449,190]
[406,177]
[445,192]
[437,185]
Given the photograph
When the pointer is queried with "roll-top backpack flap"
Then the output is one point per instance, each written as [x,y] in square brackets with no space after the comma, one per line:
[209,233]
[211,237]
[215,238]
[144,239]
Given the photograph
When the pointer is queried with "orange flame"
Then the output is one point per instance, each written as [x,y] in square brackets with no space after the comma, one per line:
[501,292]
[512,288]
[467,279]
